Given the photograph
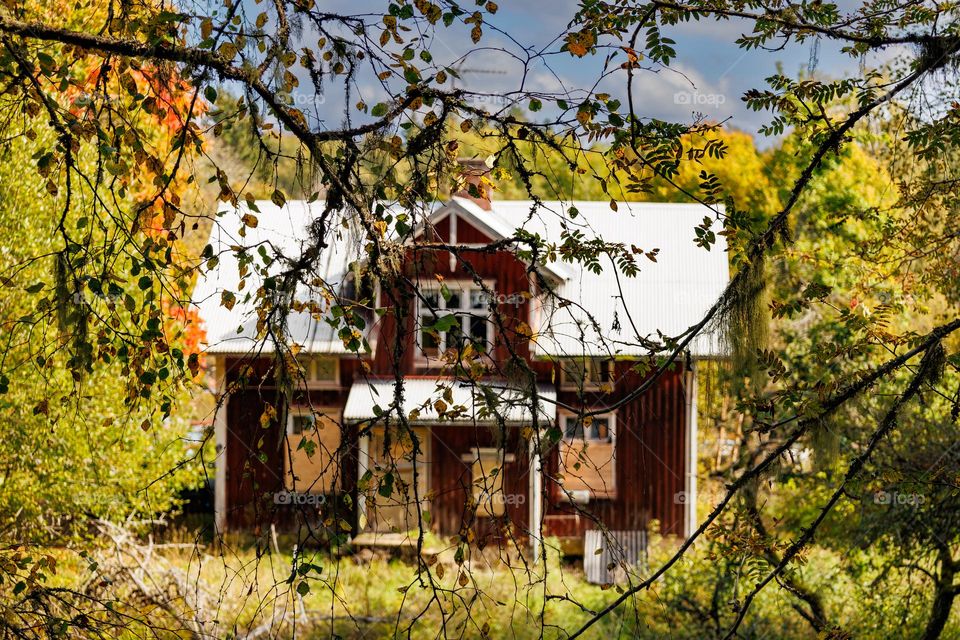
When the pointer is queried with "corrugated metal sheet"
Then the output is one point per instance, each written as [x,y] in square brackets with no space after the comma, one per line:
[667,296]
[479,404]
[607,556]
[282,233]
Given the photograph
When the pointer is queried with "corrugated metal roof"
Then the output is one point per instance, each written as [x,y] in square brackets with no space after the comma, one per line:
[608,310]
[479,403]
[666,296]
[282,233]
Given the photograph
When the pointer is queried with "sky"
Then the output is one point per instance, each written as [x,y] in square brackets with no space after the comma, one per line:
[709,75]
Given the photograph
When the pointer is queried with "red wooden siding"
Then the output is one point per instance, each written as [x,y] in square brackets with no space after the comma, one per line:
[255,454]
[650,461]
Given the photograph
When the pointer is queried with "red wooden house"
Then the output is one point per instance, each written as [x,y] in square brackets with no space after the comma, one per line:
[508,457]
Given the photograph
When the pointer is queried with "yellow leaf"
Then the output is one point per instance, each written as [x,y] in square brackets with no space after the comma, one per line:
[227,50]
[577,49]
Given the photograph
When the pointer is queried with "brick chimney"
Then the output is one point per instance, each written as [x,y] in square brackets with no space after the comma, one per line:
[472,171]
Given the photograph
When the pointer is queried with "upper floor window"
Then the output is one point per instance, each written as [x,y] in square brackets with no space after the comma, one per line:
[320,371]
[452,315]
[586,374]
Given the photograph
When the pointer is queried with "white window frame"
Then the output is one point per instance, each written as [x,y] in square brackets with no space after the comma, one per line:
[590,362]
[611,419]
[466,287]
[310,373]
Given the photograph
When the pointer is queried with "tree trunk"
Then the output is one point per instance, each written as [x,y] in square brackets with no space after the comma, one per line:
[815,613]
[942,604]
[943,598]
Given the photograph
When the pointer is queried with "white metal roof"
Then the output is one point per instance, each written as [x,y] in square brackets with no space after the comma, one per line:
[485,403]
[282,232]
[668,295]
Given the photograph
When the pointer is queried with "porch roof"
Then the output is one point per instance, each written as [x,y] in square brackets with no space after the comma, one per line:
[485,403]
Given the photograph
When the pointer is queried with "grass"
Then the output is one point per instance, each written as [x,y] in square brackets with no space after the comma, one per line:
[240,589]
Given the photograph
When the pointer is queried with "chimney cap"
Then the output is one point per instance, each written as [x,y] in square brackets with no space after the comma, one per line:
[473,165]
[473,170]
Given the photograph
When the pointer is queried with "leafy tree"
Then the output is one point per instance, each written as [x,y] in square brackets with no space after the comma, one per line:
[818,225]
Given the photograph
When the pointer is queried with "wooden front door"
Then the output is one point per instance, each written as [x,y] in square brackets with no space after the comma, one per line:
[394,486]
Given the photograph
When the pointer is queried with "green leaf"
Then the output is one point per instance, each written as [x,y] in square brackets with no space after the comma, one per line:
[386,486]
[379,109]
[445,323]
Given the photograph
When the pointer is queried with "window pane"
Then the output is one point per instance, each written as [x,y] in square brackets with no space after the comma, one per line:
[478,299]
[573,428]
[599,429]
[303,423]
[574,372]
[432,298]
[590,369]
[325,370]
[478,329]
[428,339]
[454,339]
[455,300]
